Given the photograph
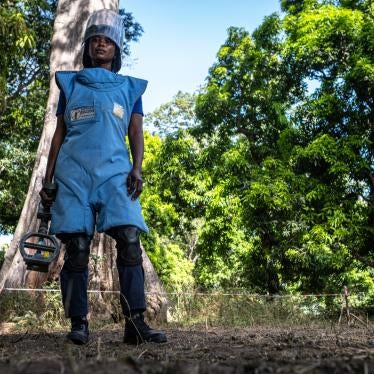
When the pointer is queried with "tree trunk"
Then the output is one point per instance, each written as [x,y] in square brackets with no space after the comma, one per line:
[66,54]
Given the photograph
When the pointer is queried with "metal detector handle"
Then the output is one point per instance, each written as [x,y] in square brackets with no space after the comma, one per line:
[50,189]
[44,214]
[44,211]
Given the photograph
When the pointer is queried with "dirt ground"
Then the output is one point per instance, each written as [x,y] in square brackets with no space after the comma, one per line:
[195,350]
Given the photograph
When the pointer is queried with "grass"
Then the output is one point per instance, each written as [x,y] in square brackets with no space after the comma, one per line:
[240,310]
[43,311]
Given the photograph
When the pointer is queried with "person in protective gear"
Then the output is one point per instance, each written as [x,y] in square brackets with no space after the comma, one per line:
[97,184]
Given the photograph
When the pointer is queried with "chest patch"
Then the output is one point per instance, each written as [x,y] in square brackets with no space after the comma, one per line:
[118,110]
[83,113]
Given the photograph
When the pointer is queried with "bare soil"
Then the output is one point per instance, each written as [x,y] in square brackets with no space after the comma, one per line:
[195,350]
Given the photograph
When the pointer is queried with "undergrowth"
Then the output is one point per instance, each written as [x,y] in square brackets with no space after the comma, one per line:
[43,311]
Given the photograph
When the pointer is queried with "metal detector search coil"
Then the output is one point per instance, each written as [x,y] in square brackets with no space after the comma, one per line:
[47,250]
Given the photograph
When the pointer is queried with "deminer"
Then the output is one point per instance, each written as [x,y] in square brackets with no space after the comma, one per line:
[98,187]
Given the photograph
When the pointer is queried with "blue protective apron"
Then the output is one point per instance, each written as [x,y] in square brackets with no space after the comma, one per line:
[93,162]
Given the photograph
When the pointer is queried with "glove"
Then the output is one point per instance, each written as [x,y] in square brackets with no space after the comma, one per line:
[48,193]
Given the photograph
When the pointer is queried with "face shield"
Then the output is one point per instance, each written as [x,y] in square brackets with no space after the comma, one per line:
[106,23]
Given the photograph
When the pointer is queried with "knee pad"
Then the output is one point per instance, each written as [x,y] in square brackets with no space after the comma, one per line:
[129,252]
[77,252]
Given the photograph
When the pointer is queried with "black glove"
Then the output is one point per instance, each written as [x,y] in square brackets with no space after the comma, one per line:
[48,193]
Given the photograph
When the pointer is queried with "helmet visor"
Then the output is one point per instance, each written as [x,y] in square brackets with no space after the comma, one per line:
[107,23]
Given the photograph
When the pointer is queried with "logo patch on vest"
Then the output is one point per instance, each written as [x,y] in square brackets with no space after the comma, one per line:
[118,110]
[83,113]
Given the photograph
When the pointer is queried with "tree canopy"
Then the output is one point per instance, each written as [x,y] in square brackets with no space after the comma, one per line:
[280,154]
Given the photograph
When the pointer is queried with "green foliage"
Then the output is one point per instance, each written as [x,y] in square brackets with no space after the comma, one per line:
[133,31]
[280,176]
[33,311]
[324,36]
[336,121]
[168,244]
[238,308]
[171,117]
[25,41]
[17,38]
[3,250]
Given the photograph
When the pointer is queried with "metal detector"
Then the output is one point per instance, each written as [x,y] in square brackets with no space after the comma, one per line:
[39,249]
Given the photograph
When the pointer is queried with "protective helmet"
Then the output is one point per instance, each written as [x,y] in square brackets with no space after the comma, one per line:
[107,23]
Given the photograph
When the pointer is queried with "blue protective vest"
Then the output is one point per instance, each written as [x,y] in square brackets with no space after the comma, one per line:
[93,162]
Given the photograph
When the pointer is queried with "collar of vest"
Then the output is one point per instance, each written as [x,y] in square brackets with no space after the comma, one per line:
[99,78]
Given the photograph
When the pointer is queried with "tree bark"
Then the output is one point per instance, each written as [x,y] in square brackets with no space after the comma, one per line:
[66,54]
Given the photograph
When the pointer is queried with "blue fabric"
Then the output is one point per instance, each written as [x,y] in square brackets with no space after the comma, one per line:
[131,280]
[93,162]
[74,292]
[61,105]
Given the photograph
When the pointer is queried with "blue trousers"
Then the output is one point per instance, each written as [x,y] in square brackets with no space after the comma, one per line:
[74,290]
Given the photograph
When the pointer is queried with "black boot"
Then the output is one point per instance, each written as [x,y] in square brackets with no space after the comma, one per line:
[79,330]
[137,331]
